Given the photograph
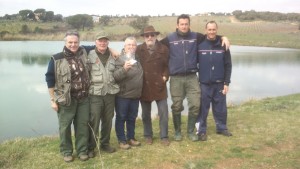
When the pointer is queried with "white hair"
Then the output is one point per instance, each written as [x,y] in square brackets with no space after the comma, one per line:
[130,38]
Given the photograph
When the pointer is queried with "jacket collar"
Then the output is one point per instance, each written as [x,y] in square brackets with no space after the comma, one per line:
[181,34]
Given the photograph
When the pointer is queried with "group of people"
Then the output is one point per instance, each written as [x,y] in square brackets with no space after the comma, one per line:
[88,83]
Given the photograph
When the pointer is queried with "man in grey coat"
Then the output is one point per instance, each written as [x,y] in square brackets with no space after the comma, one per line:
[129,75]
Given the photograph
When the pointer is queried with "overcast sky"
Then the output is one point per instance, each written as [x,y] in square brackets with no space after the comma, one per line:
[149,7]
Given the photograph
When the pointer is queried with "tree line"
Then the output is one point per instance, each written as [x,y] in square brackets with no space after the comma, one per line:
[78,21]
[41,14]
[266,16]
[84,21]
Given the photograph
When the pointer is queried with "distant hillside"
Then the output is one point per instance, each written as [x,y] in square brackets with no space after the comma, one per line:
[252,33]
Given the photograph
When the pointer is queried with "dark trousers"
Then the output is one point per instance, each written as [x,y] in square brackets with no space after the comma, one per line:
[212,94]
[126,112]
[78,114]
[102,110]
[182,87]
[163,114]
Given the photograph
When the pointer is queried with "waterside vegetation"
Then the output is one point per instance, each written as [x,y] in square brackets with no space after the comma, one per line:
[265,135]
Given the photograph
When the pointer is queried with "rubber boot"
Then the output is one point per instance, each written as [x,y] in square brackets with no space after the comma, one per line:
[177,127]
[190,128]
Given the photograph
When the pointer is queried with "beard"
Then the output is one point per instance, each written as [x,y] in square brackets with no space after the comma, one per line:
[150,44]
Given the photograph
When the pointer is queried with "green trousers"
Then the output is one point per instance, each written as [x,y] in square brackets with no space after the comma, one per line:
[182,87]
[102,110]
[78,114]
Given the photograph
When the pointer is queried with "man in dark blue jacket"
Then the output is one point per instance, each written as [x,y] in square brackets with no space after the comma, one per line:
[214,76]
[183,67]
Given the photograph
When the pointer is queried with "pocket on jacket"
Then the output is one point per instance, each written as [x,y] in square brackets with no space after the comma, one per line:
[62,75]
[96,75]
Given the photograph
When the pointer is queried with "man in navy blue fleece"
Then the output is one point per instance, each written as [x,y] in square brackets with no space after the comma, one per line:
[183,67]
[214,76]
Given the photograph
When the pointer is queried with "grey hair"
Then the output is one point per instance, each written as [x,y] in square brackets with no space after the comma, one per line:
[130,38]
[70,33]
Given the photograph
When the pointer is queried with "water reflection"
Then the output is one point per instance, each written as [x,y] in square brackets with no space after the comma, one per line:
[249,56]
[238,59]
[39,59]
[260,72]
[25,108]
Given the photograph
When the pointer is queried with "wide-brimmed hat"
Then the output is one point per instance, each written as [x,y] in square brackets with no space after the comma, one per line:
[102,36]
[149,29]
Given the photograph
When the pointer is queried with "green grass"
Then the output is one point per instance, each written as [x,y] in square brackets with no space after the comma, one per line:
[256,33]
[265,135]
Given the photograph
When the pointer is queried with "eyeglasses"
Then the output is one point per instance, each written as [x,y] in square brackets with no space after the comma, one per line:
[147,35]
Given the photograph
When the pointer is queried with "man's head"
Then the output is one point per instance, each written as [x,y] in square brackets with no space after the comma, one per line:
[183,23]
[150,35]
[72,41]
[130,45]
[211,29]
[102,42]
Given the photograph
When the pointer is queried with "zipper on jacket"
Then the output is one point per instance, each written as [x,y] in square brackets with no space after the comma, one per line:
[184,57]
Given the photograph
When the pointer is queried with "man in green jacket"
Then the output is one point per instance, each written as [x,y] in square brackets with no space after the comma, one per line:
[68,83]
[102,95]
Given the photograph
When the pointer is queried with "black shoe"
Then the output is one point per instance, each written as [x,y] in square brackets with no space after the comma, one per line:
[224,133]
[202,137]
[108,149]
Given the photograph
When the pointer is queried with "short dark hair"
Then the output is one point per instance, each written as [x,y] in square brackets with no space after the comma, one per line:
[211,22]
[183,16]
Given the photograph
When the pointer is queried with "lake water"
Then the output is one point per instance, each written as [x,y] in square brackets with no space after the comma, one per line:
[25,111]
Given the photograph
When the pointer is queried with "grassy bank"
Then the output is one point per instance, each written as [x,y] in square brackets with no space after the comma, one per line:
[265,135]
[256,33]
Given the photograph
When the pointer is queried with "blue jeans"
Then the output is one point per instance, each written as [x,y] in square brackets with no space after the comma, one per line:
[126,112]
